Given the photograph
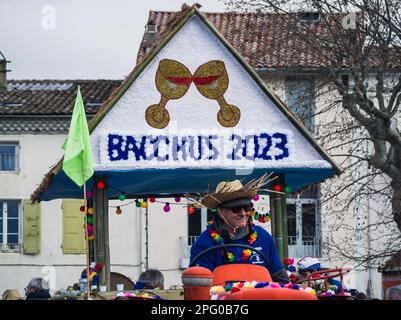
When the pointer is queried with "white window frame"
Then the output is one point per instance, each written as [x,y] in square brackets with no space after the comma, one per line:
[298,214]
[203,219]
[17,146]
[298,221]
[5,247]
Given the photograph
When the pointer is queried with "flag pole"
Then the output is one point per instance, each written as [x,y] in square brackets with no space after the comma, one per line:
[86,214]
[77,141]
[86,227]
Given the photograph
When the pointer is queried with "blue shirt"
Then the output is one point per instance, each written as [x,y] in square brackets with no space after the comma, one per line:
[264,242]
[337,283]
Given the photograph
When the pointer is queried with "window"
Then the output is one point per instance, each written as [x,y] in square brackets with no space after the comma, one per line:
[303,222]
[300,98]
[8,157]
[151,28]
[197,223]
[10,226]
[309,16]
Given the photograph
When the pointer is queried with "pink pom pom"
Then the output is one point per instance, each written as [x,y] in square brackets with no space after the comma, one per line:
[256,197]
[90,229]
[274,285]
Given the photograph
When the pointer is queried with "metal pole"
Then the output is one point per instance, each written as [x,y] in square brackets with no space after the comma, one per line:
[88,289]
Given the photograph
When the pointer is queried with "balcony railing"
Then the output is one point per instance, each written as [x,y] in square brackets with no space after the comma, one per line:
[299,247]
[186,244]
[10,248]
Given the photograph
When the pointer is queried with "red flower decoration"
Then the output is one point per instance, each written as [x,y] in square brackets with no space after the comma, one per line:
[288,261]
[235,289]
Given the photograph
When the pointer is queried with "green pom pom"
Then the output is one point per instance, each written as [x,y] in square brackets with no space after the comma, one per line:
[229,287]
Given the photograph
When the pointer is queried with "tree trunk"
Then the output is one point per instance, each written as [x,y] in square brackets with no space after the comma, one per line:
[396,202]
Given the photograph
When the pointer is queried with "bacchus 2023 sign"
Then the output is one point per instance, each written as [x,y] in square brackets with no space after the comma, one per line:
[184,150]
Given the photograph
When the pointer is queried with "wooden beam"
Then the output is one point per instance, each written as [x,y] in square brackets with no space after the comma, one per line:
[278,224]
[101,230]
[278,205]
[284,223]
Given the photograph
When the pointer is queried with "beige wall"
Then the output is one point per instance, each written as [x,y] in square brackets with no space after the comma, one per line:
[37,154]
[127,231]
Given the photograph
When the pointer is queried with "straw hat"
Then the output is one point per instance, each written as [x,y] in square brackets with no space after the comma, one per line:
[227,191]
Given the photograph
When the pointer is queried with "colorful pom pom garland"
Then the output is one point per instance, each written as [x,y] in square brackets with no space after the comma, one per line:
[138,295]
[238,286]
[230,256]
[262,218]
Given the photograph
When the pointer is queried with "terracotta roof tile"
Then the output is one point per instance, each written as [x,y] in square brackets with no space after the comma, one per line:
[53,97]
[264,40]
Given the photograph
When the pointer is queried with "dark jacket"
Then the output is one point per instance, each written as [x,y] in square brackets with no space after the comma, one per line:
[40,294]
[264,242]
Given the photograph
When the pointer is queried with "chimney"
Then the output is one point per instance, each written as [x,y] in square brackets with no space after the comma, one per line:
[3,71]
[150,35]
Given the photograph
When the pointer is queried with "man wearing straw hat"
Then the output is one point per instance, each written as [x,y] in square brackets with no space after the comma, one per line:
[232,224]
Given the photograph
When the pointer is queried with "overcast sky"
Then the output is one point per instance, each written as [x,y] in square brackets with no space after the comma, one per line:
[77,39]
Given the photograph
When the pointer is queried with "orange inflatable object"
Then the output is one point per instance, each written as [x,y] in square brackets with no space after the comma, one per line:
[240,272]
[197,282]
[269,294]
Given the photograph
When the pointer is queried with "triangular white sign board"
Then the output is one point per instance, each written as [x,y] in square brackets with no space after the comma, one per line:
[195,106]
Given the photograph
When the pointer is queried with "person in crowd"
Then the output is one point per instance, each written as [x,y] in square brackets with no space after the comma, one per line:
[150,279]
[394,293]
[11,294]
[94,273]
[37,289]
[308,265]
[232,224]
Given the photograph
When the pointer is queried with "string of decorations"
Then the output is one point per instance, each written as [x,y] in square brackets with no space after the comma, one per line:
[89,215]
[217,292]
[257,216]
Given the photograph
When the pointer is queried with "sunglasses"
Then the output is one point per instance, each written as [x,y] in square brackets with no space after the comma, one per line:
[238,209]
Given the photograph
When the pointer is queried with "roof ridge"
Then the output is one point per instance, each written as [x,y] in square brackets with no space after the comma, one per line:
[60,80]
[226,12]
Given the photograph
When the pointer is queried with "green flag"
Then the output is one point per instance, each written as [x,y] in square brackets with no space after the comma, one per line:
[78,143]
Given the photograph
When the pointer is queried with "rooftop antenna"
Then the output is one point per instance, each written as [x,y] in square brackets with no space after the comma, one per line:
[3,71]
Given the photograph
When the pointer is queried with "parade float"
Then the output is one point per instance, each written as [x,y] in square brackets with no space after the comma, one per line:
[193,113]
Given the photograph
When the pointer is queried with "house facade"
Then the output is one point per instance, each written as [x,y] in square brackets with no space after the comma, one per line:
[47,238]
